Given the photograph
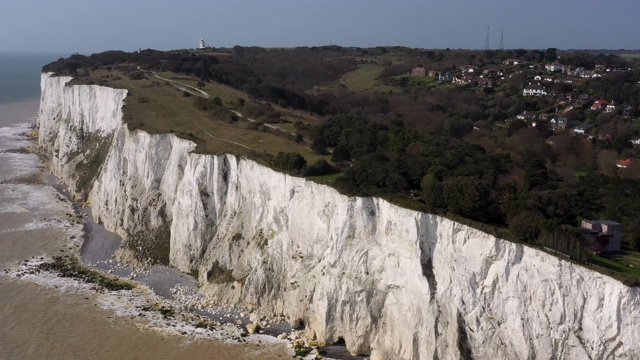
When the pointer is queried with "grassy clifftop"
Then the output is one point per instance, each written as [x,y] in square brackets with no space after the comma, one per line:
[448,131]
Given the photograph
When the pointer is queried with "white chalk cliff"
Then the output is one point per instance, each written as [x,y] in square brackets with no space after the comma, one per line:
[395,283]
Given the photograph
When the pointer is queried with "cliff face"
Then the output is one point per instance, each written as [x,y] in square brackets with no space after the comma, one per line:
[390,281]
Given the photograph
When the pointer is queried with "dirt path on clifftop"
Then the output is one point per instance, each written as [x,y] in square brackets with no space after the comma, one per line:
[188,88]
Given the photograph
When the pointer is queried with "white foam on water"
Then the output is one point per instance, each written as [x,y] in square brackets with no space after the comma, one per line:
[14,165]
[12,208]
[131,304]
[15,131]
[39,224]
[40,200]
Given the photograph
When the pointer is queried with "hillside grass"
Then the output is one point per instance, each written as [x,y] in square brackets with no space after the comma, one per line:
[621,262]
[158,107]
[427,81]
[365,78]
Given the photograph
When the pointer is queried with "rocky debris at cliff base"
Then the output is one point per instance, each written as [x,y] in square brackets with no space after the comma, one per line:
[176,317]
[138,303]
[180,316]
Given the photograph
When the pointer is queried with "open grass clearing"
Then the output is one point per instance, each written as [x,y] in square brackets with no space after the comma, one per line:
[365,78]
[325,179]
[622,262]
[157,108]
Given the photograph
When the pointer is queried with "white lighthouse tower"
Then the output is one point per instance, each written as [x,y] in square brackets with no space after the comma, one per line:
[201,46]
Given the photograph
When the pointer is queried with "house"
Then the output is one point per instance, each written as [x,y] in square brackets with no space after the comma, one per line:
[635,141]
[486,83]
[543,117]
[623,164]
[537,78]
[607,131]
[611,107]
[445,77]
[469,69]
[534,90]
[491,73]
[418,71]
[559,123]
[526,116]
[582,129]
[602,235]
[590,75]
[432,73]
[576,72]
[630,112]
[462,80]
[599,105]
[553,67]
[547,78]
[582,99]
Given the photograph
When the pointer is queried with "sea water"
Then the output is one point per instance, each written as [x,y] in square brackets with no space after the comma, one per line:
[48,318]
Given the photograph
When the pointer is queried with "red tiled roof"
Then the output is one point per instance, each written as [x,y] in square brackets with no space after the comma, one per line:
[623,163]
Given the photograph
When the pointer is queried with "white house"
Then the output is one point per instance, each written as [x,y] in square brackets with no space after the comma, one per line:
[554,67]
[526,116]
[534,90]
[582,129]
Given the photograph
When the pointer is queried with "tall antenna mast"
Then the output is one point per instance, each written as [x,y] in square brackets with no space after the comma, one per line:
[501,47]
[486,44]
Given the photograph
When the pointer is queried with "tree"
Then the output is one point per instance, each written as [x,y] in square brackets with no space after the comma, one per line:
[340,153]
[319,145]
[551,54]
[432,191]
[320,167]
[537,176]
[289,161]
[200,84]
[526,225]
[468,197]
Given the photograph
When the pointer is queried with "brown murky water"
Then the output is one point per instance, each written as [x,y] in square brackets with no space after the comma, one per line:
[49,322]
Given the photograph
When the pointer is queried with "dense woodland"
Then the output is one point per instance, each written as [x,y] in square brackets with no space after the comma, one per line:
[440,147]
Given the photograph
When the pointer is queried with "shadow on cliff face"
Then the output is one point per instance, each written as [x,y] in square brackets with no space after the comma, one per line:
[428,231]
[464,345]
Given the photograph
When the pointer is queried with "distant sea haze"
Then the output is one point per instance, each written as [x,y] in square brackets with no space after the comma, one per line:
[41,320]
[20,75]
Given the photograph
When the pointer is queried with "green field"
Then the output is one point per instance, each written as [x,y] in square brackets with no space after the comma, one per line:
[427,81]
[156,106]
[365,78]
[622,262]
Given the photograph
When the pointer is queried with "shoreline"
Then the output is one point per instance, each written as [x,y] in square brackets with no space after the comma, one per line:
[16,111]
[159,291]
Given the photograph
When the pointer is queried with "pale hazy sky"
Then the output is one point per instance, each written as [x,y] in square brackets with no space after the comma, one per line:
[88,26]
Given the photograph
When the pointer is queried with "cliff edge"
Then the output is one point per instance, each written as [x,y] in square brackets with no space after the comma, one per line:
[391,282]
